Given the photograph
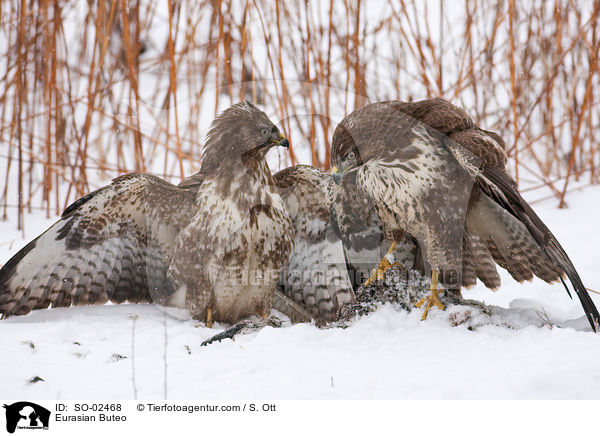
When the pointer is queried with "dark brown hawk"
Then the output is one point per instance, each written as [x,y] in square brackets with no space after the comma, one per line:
[216,251]
[429,171]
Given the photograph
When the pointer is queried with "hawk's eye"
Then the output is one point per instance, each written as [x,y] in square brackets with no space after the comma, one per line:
[351,155]
[264,132]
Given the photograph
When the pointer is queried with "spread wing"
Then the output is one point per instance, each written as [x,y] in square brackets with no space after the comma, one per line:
[113,244]
[501,226]
[499,187]
[317,275]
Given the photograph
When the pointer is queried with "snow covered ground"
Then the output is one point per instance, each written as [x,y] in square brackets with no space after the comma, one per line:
[86,353]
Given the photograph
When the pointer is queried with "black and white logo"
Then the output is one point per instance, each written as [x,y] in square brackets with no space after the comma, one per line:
[26,415]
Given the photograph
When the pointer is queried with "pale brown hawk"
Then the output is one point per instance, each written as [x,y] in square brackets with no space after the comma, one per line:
[216,251]
[316,276]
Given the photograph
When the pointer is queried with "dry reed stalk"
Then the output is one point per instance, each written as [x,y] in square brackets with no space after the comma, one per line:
[173,88]
[513,84]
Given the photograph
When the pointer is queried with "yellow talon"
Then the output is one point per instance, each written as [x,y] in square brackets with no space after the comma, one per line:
[433,299]
[209,318]
[384,265]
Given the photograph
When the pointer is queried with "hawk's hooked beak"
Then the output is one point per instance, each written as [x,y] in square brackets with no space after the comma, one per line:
[282,142]
[337,176]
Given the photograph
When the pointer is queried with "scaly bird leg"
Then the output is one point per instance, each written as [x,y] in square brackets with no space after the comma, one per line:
[209,317]
[384,265]
[433,299]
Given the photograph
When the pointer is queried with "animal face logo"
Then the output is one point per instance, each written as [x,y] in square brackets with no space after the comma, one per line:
[26,415]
